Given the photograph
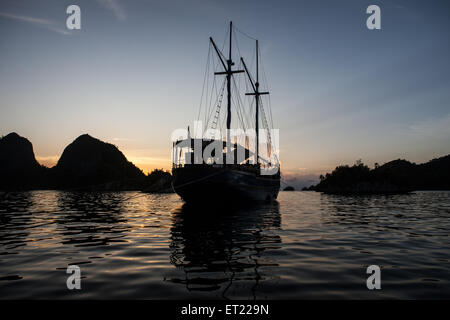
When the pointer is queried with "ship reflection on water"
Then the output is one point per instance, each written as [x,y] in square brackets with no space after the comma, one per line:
[224,249]
[149,246]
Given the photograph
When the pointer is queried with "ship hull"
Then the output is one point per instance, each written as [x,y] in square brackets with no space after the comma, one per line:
[223,185]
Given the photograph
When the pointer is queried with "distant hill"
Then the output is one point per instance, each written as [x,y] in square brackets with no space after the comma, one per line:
[18,166]
[434,175]
[86,164]
[93,164]
[398,176]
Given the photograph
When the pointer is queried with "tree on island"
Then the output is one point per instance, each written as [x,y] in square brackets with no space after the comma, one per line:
[398,176]
[86,164]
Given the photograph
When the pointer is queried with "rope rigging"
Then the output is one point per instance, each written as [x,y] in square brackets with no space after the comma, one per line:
[212,93]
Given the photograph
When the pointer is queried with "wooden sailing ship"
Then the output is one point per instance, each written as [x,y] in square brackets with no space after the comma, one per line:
[242,174]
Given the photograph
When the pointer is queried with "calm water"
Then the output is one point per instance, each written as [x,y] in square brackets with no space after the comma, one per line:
[308,245]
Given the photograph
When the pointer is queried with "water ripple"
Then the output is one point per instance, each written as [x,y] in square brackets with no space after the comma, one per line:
[307,245]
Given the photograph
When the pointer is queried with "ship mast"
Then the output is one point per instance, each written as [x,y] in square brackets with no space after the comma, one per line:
[228,72]
[255,93]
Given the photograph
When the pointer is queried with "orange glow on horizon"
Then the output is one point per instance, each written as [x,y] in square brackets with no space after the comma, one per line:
[146,164]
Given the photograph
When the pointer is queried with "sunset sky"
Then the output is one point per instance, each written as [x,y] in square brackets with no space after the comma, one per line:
[134,73]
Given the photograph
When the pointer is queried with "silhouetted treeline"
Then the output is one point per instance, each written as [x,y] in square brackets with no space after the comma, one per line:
[86,164]
[158,181]
[398,176]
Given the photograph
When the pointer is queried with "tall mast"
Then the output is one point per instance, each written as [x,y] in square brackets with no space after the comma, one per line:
[257,104]
[228,72]
[230,63]
[255,93]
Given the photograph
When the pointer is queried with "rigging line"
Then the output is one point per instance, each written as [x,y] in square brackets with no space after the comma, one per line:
[252,63]
[264,119]
[218,107]
[247,116]
[204,80]
[238,85]
[269,107]
[222,125]
[223,45]
[238,90]
[248,108]
[205,84]
[265,124]
[239,68]
[243,84]
[211,66]
[221,54]
[244,120]
[210,109]
[217,103]
[248,113]
[215,64]
[215,87]
[269,103]
[237,44]
[241,118]
[212,91]
[248,98]
[233,99]
[237,103]
[227,31]
[268,89]
[242,32]
[250,101]
[207,87]
[213,83]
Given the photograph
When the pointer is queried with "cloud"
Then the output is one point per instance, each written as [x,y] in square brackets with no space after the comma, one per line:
[115,7]
[44,23]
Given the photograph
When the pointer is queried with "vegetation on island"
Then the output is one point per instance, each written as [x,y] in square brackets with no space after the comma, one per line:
[85,164]
[398,176]
[90,164]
